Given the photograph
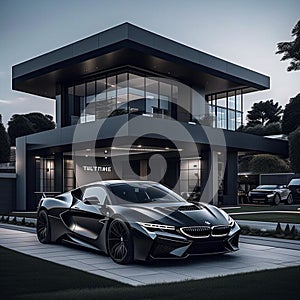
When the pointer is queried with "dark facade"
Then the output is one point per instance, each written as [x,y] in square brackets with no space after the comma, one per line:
[129,93]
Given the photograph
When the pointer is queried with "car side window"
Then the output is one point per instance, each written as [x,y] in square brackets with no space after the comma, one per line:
[95,195]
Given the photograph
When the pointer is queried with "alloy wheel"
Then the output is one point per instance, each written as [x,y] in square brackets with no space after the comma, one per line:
[290,199]
[43,227]
[120,242]
[276,199]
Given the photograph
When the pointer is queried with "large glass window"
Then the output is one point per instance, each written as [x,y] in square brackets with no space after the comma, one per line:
[90,102]
[226,109]
[239,116]
[111,95]
[79,100]
[136,94]
[221,118]
[231,100]
[151,96]
[122,93]
[101,108]
[165,96]
[231,119]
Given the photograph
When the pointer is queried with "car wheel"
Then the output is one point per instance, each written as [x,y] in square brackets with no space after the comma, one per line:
[43,227]
[290,199]
[120,244]
[276,199]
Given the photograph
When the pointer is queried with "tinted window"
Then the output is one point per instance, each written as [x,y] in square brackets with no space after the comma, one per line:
[95,195]
[142,193]
[295,181]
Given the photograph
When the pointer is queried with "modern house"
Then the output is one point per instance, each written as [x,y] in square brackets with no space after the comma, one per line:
[127,95]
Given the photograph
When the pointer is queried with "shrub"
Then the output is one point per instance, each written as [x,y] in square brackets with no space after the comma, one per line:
[267,163]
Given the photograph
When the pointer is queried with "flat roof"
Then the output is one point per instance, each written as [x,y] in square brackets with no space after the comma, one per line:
[129,45]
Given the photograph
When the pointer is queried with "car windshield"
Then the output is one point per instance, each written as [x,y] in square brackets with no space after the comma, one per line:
[267,187]
[295,181]
[142,192]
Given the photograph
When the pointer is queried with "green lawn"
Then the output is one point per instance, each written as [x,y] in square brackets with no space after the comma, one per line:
[26,277]
[253,208]
[269,217]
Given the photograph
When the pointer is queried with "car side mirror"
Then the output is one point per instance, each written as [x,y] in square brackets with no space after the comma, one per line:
[91,200]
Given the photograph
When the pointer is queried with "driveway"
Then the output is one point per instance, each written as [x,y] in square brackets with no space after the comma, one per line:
[249,258]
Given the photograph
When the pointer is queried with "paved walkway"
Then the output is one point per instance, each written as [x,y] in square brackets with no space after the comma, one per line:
[250,258]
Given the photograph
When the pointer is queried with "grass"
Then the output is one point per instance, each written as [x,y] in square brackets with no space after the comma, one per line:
[254,208]
[269,217]
[26,277]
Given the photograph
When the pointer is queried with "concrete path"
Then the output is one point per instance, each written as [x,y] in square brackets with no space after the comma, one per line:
[250,258]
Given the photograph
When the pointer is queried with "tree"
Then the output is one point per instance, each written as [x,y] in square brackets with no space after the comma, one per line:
[4,144]
[264,113]
[291,115]
[270,129]
[20,125]
[267,163]
[294,149]
[291,50]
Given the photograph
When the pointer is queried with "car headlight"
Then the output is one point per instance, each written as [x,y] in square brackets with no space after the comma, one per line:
[228,218]
[270,195]
[230,221]
[156,226]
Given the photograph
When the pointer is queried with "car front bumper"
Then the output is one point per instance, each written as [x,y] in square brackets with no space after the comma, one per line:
[165,245]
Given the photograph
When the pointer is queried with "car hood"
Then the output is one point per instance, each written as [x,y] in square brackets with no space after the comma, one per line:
[263,191]
[176,214]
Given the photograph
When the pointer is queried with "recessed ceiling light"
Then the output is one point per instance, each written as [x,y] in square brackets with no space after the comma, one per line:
[105,151]
[139,146]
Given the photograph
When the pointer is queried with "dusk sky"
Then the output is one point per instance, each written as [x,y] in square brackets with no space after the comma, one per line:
[243,32]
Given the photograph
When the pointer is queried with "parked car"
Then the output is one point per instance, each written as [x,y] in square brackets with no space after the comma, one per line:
[273,194]
[294,187]
[135,220]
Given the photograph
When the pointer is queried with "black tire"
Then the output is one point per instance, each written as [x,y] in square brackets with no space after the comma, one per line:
[277,199]
[290,199]
[119,242]
[43,230]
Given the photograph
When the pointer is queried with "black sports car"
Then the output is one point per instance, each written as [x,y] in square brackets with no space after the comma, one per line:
[135,220]
[273,194]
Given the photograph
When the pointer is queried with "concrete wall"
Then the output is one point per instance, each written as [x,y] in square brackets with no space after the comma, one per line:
[7,192]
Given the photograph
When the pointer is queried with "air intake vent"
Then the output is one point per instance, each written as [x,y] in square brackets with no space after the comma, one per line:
[196,231]
[188,208]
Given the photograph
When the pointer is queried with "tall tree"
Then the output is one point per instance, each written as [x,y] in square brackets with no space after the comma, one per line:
[20,125]
[291,115]
[291,50]
[264,113]
[4,144]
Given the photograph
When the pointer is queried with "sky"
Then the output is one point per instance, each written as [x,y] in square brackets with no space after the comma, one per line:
[243,32]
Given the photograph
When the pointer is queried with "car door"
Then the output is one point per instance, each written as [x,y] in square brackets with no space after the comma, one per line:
[87,213]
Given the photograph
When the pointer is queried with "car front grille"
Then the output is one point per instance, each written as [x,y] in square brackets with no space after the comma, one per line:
[221,230]
[196,231]
[206,231]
